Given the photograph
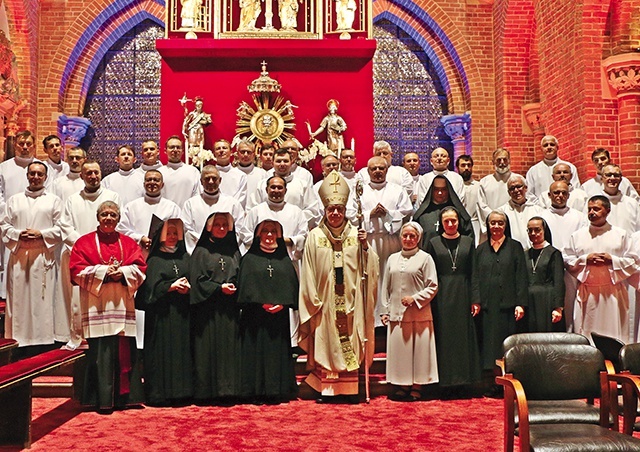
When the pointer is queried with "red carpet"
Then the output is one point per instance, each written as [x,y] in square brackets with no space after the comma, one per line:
[461,425]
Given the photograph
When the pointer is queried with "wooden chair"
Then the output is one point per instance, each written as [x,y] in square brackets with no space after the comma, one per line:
[557,374]
[539,338]
[630,366]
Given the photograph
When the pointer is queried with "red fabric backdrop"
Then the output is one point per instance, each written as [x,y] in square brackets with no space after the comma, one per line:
[310,71]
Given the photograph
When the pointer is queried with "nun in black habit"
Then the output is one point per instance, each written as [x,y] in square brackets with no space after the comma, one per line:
[215,312]
[440,195]
[267,288]
[164,296]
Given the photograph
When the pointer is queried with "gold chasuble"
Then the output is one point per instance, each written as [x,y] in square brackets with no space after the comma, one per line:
[335,317]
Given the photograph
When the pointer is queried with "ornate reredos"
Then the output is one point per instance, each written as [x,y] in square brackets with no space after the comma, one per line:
[269,19]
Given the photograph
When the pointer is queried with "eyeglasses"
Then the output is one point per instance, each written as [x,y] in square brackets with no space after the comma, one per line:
[616,175]
[516,187]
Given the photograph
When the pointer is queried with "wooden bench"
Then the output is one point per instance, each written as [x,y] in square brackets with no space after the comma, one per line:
[6,347]
[15,391]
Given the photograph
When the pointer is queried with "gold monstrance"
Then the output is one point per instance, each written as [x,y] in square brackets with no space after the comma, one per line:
[267,122]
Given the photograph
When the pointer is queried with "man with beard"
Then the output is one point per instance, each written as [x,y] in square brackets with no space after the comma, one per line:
[464,165]
[347,165]
[599,257]
[493,192]
[439,196]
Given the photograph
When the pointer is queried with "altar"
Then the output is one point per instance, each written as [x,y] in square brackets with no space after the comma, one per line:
[219,64]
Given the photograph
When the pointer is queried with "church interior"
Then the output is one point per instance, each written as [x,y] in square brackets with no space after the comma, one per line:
[469,76]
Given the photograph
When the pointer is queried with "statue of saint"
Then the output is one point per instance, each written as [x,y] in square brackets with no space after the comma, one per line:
[193,125]
[288,13]
[334,126]
[190,13]
[249,12]
[345,14]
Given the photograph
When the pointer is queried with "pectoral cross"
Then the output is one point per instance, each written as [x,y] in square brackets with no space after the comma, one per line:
[437,224]
[270,269]
[176,269]
[221,262]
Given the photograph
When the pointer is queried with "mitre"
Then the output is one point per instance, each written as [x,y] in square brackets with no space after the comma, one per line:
[334,190]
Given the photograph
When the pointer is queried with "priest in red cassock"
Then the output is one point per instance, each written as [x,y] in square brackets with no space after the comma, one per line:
[109,268]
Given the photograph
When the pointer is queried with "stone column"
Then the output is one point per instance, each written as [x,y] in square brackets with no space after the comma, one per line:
[623,75]
[457,127]
[531,113]
[72,129]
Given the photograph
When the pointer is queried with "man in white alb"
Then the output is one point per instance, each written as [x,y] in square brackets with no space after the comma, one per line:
[56,167]
[126,182]
[539,176]
[440,163]
[181,181]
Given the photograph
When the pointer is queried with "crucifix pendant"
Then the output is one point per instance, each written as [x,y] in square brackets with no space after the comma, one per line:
[437,224]
[221,262]
[454,268]
[176,269]
[270,269]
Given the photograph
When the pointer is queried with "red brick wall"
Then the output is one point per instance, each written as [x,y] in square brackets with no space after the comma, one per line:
[23,30]
[513,52]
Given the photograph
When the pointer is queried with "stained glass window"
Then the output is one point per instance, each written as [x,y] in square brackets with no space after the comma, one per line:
[408,99]
[123,103]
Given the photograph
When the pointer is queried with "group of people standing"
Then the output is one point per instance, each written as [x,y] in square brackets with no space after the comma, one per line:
[231,267]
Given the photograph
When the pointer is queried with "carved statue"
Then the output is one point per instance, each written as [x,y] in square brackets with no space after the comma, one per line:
[334,126]
[190,13]
[249,12]
[345,14]
[288,13]
[193,125]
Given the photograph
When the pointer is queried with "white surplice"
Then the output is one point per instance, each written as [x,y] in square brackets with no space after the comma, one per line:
[129,185]
[198,208]
[136,216]
[181,182]
[540,176]
[32,270]
[602,303]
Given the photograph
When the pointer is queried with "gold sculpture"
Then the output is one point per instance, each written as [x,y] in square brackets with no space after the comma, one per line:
[269,120]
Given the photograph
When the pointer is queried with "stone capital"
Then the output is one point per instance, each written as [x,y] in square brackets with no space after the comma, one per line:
[622,73]
[456,126]
[72,129]
[533,117]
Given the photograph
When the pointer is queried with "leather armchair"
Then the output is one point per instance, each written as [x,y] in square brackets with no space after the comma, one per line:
[554,374]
